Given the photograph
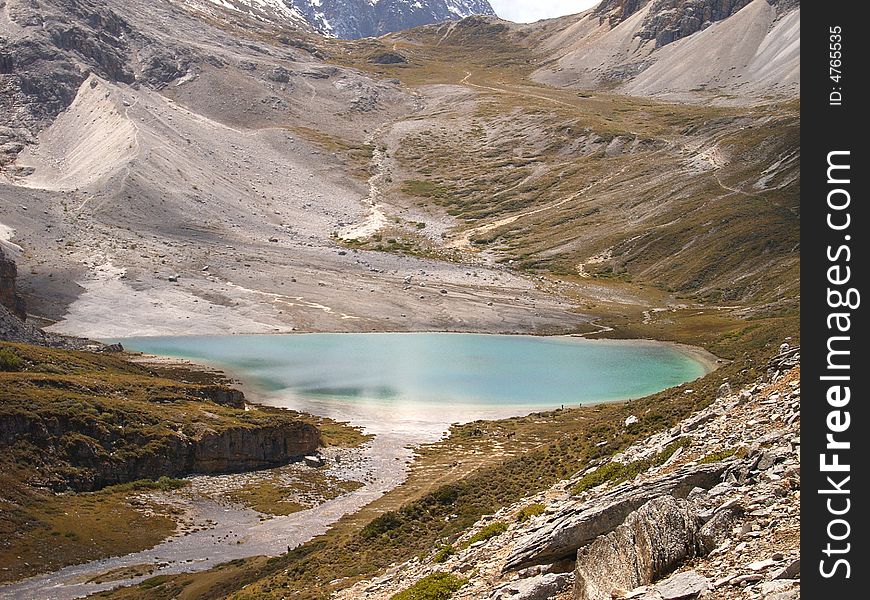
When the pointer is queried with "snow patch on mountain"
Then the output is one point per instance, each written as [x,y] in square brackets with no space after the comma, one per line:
[351,19]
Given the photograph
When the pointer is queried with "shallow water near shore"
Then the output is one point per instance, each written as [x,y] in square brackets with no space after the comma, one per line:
[422,381]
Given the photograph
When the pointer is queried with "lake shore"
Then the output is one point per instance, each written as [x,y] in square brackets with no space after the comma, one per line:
[389,456]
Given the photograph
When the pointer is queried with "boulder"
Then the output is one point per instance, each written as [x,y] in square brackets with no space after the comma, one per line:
[718,528]
[652,542]
[387,58]
[579,523]
[313,461]
[541,587]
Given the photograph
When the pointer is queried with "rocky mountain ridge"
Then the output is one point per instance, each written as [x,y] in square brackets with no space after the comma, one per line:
[669,20]
[715,516]
[679,49]
[9,297]
[352,19]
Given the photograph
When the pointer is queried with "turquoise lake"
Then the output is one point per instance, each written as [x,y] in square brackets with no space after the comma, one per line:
[441,374]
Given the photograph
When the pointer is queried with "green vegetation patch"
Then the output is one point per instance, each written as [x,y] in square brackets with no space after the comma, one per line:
[532,510]
[715,457]
[163,484]
[284,495]
[437,586]
[444,552]
[490,531]
[9,360]
[616,472]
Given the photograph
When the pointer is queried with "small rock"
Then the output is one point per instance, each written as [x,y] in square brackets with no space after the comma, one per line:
[759,565]
[748,578]
[540,587]
[791,571]
[776,587]
[631,420]
[683,586]
[313,461]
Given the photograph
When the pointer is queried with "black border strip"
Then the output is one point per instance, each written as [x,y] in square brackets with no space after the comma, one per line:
[834,231]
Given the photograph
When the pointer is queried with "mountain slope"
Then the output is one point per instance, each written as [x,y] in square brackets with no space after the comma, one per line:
[351,19]
[677,49]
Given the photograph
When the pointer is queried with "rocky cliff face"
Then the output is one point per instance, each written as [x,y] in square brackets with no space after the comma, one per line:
[8,287]
[87,455]
[719,518]
[41,70]
[351,19]
[669,20]
[84,420]
[13,312]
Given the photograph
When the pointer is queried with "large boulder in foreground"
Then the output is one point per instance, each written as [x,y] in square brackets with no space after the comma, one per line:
[652,542]
[579,523]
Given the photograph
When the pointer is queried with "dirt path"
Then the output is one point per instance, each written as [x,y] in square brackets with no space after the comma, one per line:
[465,81]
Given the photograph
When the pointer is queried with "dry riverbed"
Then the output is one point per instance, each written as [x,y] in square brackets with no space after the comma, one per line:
[227,517]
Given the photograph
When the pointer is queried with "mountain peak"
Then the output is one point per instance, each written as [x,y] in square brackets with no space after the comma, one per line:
[352,19]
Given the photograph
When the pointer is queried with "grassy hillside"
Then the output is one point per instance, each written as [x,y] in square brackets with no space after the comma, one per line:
[74,422]
[701,201]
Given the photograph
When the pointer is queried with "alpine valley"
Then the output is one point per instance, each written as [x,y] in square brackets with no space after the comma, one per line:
[175,170]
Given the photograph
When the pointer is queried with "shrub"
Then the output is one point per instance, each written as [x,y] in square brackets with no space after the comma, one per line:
[9,361]
[616,472]
[722,455]
[437,586]
[140,485]
[381,525]
[444,553]
[527,512]
[154,582]
[490,531]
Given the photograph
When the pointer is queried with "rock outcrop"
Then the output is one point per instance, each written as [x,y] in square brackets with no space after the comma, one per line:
[579,523]
[245,449]
[9,296]
[539,587]
[653,541]
[669,20]
[89,456]
[13,310]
